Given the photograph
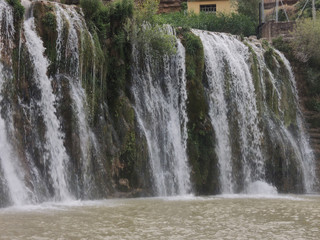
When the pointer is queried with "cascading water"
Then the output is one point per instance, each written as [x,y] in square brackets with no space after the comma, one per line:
[9,164]
[159,91]
[233,95]
[70,19]
[56,157]
[301,142]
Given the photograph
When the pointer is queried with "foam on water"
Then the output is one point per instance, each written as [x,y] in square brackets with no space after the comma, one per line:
[261,187]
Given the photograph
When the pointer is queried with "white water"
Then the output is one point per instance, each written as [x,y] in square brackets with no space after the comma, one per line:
[218,114]
[159,92]
[231,95]
[56,158]
[70,19]
[85,134]
[261,188]
[8,158]
[223,53]
[301,143]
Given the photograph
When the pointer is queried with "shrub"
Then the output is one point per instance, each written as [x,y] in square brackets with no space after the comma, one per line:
[49,20]
[306,41]
[193,43]
[307,13]
[249,8]
[90,7]
[220,22]
[18,9]
[147,33]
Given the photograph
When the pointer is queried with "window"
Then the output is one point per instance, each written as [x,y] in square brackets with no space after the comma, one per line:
[208,8]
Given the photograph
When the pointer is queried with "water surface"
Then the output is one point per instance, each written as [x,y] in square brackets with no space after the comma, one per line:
[221,217]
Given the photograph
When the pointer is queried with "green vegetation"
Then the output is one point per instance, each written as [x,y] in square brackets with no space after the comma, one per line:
[106,24]
[306,69]
[283,46]
[249,8]
[49,20]
[146,33]
[233,23]
[306,41]
[46,27]
[118,25]
[18,9]
[104,19]
[307,13]
[201,141]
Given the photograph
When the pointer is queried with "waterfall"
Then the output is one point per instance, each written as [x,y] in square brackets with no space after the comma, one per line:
[9,162]
[64,133]
[56,158]
[159,90]
[70,19]
[301,142]
[232,95]
[244,110]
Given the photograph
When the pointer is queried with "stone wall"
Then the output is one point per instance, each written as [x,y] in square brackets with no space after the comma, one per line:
[274,29]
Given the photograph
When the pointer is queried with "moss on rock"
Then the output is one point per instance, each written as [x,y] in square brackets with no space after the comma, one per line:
[201,139]
[46,27]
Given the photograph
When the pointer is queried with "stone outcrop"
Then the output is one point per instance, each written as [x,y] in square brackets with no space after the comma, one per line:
[305,78]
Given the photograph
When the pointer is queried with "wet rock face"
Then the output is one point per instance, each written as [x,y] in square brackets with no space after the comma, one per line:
[308,85]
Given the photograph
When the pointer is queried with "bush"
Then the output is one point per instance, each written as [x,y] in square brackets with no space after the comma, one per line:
[306,41]
[147,33]
[307,13]
[238,24]
[249,8]
[193,43]
[49,20]
[90,7]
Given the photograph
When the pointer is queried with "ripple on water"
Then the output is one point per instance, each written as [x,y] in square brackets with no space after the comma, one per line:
[219,217]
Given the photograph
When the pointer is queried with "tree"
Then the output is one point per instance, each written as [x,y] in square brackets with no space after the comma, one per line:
[248,8]
[307,11]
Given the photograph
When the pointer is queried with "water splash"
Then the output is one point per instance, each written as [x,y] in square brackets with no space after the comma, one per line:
[261,187]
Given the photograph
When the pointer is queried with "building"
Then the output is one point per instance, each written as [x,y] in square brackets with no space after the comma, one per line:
[198,6]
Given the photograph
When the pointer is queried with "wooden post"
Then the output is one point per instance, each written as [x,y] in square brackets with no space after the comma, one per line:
[262,12]
[313,10]
[277,10]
